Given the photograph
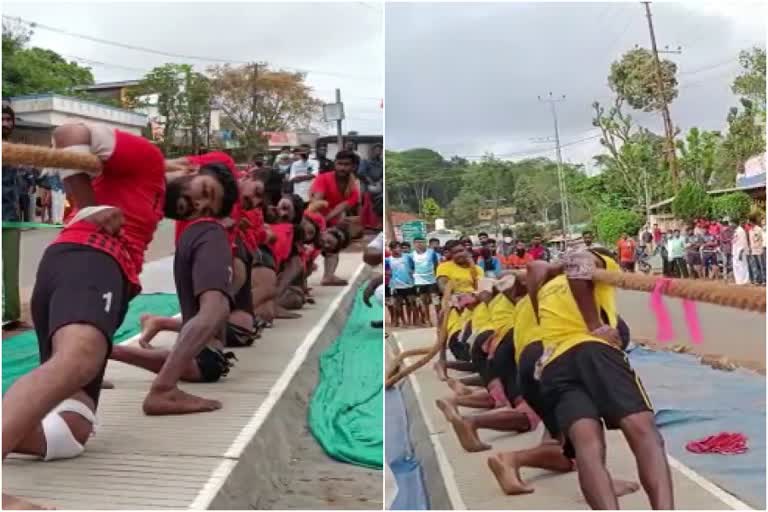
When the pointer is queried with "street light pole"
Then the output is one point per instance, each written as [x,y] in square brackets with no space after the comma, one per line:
[565,213]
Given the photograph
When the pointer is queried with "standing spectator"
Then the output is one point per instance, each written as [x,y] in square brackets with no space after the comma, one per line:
[488,260]
[325,164]
[520,258]
[726,247]
[646,241]
[756,246]
[301,175]
[693,244]
[676,255]
[506,247]
[657,234]
[58,198]
[283,163]
[627,249]
[666,268]
[538,251]
[11,191]
[434,244]
[588,238]
[709,252]
[740,253]
[371,175]
[482,237]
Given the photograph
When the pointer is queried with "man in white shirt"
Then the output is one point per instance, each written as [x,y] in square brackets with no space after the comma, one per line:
[740,248]
[301,175]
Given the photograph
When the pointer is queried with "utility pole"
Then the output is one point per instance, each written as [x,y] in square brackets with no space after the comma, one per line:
[339,136]
[669,130]
[565,213]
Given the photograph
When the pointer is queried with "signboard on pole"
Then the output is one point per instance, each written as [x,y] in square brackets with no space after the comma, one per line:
[333,112]
[413,229]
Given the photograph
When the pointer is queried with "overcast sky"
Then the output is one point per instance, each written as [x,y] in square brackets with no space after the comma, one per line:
[464,78]
[341,44]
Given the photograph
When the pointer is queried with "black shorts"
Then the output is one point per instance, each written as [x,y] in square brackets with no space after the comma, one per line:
[458,347]
[425,289]
[387,291]
[77,284]
[693,258]
[709,259]
[502,366]
[243,300]
[263,257]
[404,293]
[479,357]
[592,380]
[530,388]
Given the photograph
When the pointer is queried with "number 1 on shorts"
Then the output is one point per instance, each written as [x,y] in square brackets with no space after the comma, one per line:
[108,301]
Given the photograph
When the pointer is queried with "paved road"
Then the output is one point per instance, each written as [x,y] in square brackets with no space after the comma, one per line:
[738,335]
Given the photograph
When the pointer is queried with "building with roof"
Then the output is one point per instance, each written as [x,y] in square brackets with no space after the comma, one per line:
[39,114]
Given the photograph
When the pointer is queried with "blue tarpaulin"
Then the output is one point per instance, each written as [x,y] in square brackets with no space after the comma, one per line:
[411,491]
[693,401]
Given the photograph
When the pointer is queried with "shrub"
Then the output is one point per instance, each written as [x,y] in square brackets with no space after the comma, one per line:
[691,203]
[736,206]
[610,223]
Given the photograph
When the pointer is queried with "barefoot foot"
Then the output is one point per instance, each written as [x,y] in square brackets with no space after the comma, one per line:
[176,401]
[624,487]
[507,472]
[441,370]
[333,281]
[149,329]
[465,432]
[458,387]
[14,503]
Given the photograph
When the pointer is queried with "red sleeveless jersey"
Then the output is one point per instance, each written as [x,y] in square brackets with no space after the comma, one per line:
[133,180]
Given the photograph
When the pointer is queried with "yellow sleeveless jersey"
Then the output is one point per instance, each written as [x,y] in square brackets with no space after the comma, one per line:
[527,329]
[562,325]
[503,317]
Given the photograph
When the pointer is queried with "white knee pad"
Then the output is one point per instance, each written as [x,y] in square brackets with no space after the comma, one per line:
[59,440]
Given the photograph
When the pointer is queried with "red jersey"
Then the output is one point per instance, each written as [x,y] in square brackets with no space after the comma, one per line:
[256,234]
[283,243]
[133,180]
[326,185]
[626,250]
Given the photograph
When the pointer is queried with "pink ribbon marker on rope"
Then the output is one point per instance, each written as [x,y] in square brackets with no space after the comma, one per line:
[692,321]
[664,329]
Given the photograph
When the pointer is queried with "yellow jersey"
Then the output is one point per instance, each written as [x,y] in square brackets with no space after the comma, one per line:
[464,279]
[454,323]
[562,325]
[481,319]
[503,317]
[527,329]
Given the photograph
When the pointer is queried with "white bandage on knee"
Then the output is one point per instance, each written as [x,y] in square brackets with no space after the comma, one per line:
[77,148]
[59,440]
[379,294]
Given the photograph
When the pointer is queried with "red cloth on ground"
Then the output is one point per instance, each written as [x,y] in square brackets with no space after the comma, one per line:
[724,443]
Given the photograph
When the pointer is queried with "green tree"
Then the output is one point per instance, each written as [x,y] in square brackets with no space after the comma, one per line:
[412,175]
[745,139]
[692,202]
[633,78]
[431,210]
[37,70]
[750,83]
[699,156]
[257,99]
[634,168]
[182,99]
[610,223]
[735,205]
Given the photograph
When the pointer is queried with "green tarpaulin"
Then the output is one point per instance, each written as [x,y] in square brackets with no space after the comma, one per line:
[347,408]
[20,353]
